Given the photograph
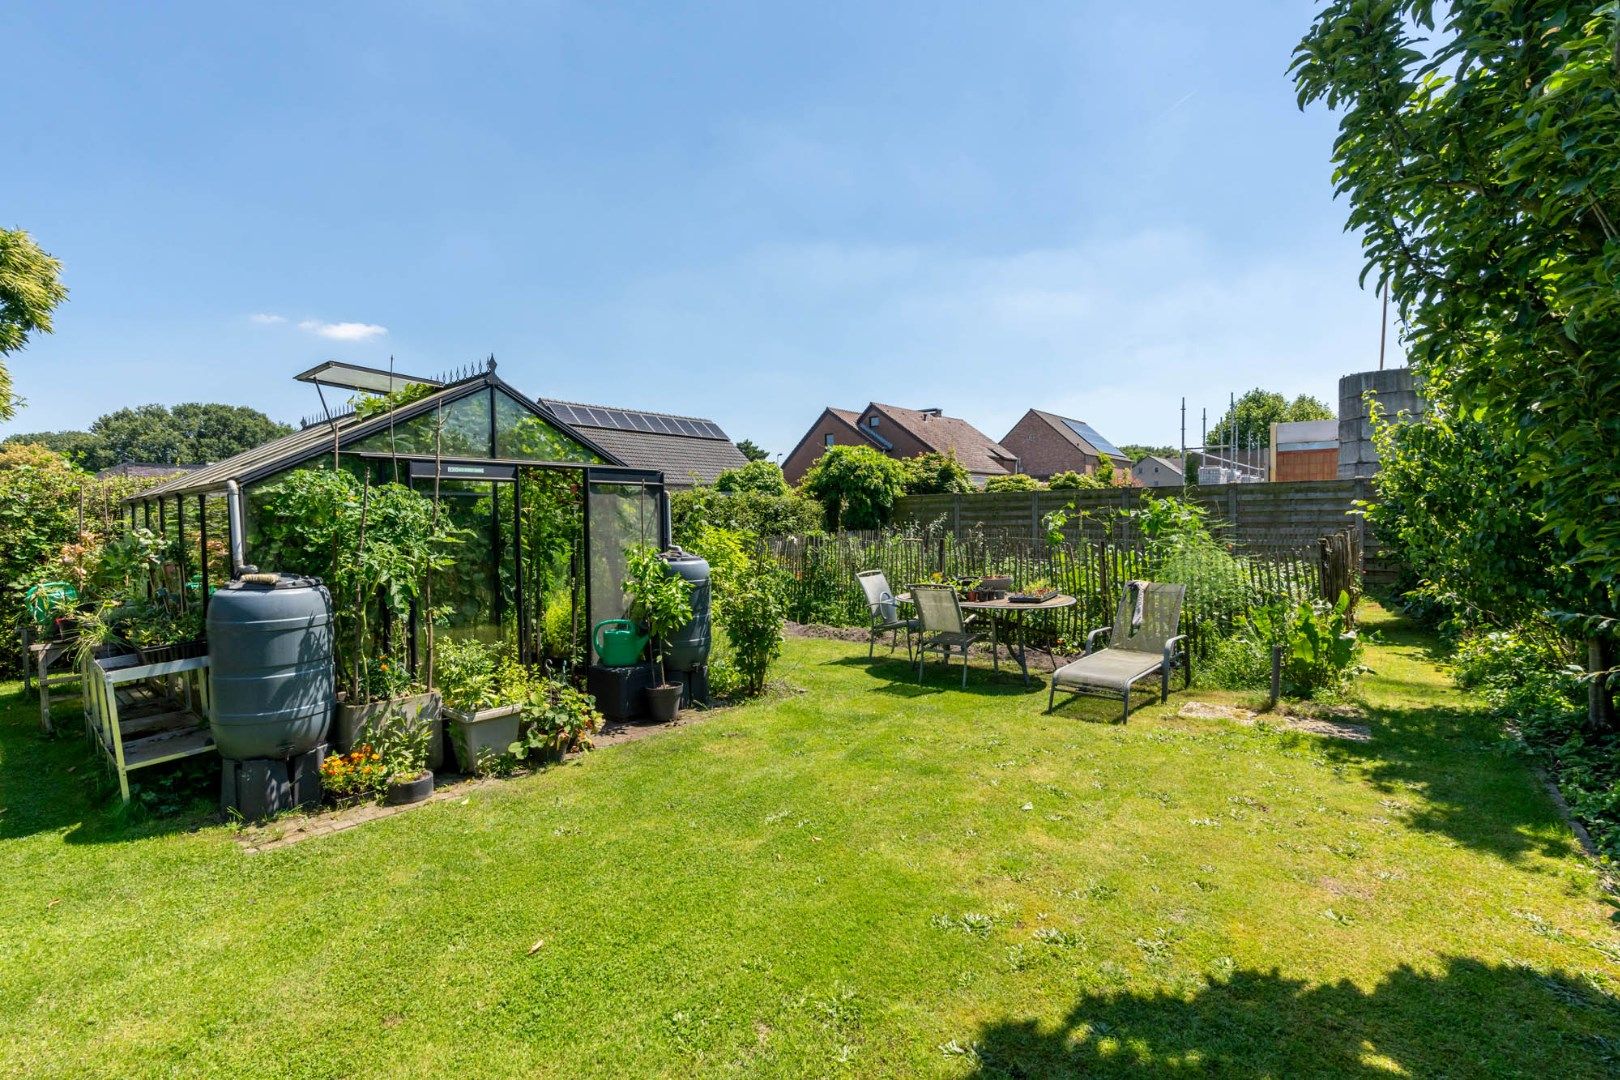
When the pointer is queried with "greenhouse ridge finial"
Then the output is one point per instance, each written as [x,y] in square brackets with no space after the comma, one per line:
[490,364]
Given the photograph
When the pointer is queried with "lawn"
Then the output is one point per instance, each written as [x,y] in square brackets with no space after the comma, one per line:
[863,878]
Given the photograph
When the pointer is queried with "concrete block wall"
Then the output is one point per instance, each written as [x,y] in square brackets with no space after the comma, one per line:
[1396,391]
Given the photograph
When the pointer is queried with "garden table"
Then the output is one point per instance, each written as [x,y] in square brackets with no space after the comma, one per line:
[1003,606]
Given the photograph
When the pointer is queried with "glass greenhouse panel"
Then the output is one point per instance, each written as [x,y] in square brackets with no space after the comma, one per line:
[520,434]
[465,432]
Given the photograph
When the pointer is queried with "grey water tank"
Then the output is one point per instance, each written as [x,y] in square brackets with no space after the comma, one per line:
[688,647]
[270,677]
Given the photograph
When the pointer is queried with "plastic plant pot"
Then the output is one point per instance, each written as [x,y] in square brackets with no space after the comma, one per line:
[410,791]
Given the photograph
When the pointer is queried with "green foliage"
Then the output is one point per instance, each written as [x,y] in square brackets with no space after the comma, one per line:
[752,612]
[792,514]
[1480,166]
[369,405]
[1252,415]
[856,485]
[1529,677]
[936,474]
[556,719]
[192,433]
[1235,662]
[752,450]
[1137,451]
[361,541]
[762,477]
[473,675]
[40,497]
[1105,472]
[30,290]
[1012,482]
[401,743]
[1455,511]
[1165,521]
[660,599]
[1321,651]
[1069,480]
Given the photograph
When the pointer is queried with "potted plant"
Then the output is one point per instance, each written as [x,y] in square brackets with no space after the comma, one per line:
[484,688]
[660,600]
[353,777]
[374,547]
[388,690]
[557,720]
[402,746]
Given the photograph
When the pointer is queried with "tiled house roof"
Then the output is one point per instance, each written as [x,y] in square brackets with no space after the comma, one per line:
[978,452]
[684,459]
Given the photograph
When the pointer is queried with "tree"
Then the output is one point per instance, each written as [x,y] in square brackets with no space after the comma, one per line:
[1012,482]
[857,486]
[1137,451]
[79,447]
[189,434]
[752,450]
[30,290]
[936,474]
[1252,415]
[759,475]
[1482,171]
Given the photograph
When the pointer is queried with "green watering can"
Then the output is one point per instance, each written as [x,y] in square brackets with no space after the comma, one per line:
[619,642]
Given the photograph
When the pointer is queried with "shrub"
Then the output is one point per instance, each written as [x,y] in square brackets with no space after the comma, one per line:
[936,474]
[760,477]
[856,485]
[752,613]
[793,514]
[1069,480]
[1012,482]
[473,675]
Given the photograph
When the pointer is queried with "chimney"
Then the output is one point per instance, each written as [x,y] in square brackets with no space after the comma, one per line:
[931,412]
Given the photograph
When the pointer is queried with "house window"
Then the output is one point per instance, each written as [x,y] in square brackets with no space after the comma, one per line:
[872,421]
[827,439]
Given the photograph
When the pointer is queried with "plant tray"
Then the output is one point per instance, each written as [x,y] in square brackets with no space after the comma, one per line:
[1032,598]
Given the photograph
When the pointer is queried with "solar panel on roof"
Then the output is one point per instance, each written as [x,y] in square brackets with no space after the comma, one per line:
[600,416]
[1089,433]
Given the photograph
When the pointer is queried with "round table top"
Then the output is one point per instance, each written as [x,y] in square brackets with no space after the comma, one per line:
[1051,603]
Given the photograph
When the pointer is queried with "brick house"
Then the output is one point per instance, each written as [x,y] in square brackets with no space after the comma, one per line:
[1154,471]
[1047,443]
[901,433]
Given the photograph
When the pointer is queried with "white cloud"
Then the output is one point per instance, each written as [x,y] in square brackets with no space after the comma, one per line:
[263,319]
[343,331]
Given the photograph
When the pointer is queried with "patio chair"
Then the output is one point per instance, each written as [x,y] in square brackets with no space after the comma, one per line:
[1144,640]
[885,612]
[942,627]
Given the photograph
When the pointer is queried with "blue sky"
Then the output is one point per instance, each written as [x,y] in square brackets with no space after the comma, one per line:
[743,211]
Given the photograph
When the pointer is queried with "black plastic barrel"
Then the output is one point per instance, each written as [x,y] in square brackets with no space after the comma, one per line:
[688,647]
[270,677]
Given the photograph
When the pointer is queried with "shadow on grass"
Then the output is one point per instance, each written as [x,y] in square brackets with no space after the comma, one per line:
[1454,776]
[901,677]
[1469,1019]
[58,783]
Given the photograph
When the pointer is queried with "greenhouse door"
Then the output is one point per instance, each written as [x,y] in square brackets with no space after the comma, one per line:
[621,511]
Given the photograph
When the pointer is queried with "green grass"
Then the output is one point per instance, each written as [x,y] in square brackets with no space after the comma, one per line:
[865,878]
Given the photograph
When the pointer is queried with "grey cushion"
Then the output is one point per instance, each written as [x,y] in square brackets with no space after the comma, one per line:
[1113,669]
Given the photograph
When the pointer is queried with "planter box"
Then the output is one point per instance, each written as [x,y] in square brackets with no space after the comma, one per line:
[487,731]
[348,721]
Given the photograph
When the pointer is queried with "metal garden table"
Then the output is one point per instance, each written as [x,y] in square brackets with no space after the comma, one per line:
[1003,606]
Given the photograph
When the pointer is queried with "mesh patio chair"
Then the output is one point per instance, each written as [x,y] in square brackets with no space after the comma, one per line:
[942,627]
[885,611]
[1143,641]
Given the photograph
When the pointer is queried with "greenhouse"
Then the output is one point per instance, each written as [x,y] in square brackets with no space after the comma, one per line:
[542,515]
